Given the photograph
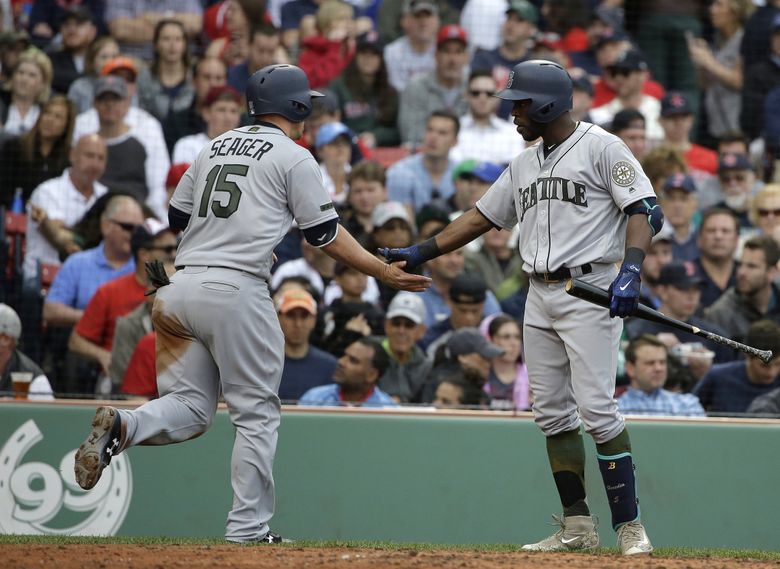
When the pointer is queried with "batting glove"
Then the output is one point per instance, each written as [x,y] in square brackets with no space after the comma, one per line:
[412,255]
[624,291]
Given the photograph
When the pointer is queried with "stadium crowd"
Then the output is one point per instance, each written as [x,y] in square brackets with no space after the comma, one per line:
[104,104]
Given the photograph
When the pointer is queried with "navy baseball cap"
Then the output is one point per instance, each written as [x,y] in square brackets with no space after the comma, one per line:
[679,274]
[630,60]
[681,182]
[732,161]
[583,84]
[487,172]
[468,340]
[79,13]
[675,103]
[627,118]
[370,41]
[606,39]
[468,288]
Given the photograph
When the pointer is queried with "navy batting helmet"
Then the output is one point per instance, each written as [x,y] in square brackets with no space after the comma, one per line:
[280,90]
[545,83]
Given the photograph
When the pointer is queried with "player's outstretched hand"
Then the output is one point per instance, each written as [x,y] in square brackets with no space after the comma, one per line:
[397,277]
[411,255]
[624,291]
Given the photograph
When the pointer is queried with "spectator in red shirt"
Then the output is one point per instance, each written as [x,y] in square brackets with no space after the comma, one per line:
[141,375]
[677,122]
[93,335]
[324,56]
[607,51]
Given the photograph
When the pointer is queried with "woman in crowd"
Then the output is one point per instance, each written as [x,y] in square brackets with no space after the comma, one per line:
[30,87]
[507,383]
[166,86]
[82,90]
[764,211]
[719,65]
[368,103]
[41,153]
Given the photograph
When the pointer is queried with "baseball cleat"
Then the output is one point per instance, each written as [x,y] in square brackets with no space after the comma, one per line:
[270,537]
[101,445]
[632,539]
[577,533]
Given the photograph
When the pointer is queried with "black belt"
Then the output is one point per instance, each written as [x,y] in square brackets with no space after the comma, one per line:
[564,273]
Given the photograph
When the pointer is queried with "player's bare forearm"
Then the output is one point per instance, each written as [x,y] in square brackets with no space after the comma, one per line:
[638,233]
[463,230]
[346,249]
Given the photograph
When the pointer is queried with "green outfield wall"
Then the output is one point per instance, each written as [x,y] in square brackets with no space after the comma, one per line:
[398,477]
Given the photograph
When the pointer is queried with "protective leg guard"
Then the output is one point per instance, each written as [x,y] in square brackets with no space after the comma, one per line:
[617,471]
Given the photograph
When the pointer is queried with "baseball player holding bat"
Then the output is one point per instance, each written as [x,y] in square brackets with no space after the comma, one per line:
[582,204]
[217,329]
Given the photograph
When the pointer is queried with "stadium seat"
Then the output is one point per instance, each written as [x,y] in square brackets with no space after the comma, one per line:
[13,229]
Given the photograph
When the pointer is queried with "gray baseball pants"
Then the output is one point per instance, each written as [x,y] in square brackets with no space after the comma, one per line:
[217,328]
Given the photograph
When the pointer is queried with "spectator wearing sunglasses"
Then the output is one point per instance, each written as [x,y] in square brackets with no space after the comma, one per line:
[765,211]
[736,186]
[83,272]
[93,335]
[628,75]
[484,136]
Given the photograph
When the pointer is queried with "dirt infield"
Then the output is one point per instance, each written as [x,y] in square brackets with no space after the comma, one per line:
[260,557]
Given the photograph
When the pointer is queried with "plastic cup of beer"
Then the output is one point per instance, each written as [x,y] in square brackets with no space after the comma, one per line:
[20,381]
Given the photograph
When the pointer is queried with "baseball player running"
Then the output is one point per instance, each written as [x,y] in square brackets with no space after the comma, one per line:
[579,197]
[217,328]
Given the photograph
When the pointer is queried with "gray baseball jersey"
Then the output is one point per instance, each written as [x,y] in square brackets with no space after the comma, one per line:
[242,193]
[569,206]
[217,329]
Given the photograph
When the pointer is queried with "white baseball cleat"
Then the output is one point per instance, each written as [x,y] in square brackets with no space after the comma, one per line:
[94,454]
[632,539]
[576,533]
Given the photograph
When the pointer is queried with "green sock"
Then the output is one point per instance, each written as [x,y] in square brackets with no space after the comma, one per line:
[566,452]
[618,445]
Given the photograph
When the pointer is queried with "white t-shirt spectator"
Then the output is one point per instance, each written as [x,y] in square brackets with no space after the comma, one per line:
[61,201]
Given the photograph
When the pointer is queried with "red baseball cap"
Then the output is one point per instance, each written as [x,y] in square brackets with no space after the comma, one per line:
[451,32]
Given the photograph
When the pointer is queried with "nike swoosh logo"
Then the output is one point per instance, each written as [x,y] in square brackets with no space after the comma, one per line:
[321,239]
[568,541]
[625,286]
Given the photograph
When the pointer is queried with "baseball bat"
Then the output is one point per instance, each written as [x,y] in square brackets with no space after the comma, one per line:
[600,297]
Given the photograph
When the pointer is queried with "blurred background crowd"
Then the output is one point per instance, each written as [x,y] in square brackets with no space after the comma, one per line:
[105,103]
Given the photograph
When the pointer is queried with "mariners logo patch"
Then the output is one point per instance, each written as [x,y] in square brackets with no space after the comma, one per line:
[623,173]
[509,81]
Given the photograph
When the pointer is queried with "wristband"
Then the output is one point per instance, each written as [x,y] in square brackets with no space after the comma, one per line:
[428,249]
[634,257]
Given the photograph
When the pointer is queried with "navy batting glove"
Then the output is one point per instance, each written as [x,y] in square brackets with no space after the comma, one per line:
[624,291]
[411,255]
